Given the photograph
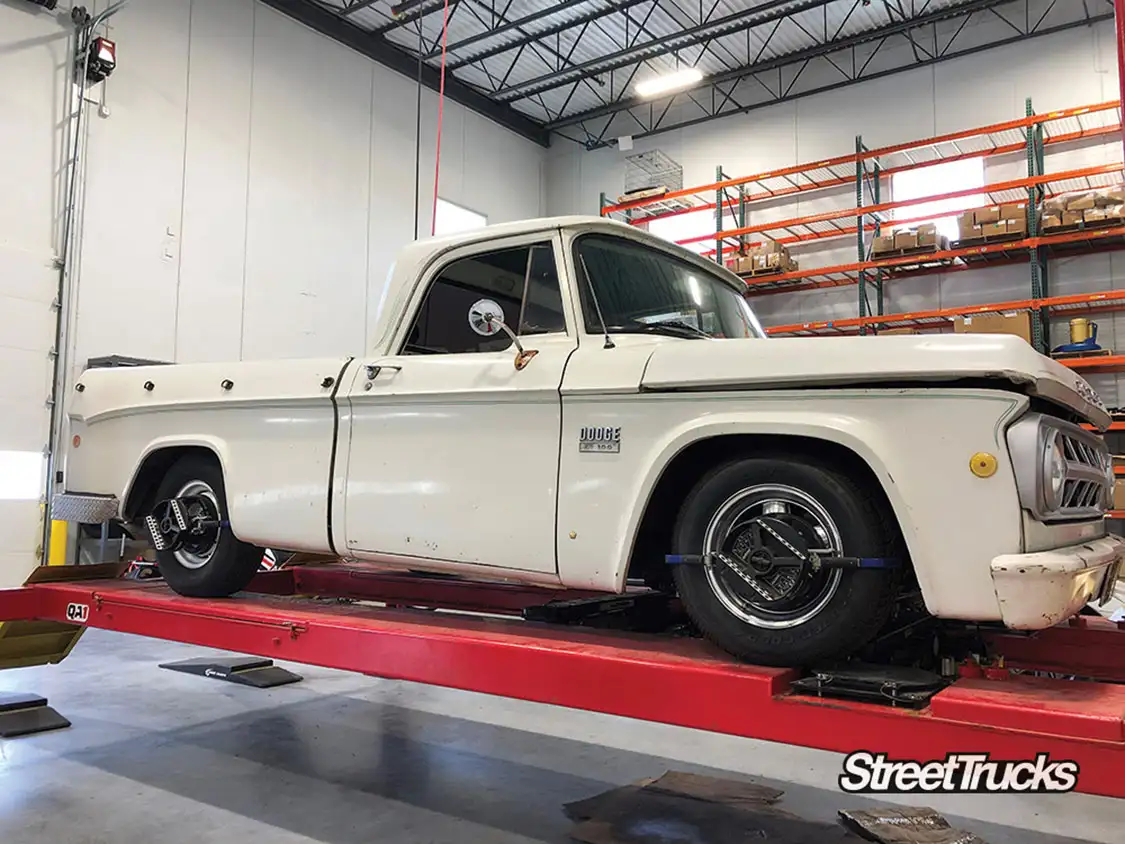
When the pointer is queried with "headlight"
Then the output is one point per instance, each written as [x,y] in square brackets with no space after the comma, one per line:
[1056,472]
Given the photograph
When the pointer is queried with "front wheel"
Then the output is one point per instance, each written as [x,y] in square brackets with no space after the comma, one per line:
[756,509]
[209,562]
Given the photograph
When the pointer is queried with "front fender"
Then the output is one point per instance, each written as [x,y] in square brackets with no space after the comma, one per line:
[917,444]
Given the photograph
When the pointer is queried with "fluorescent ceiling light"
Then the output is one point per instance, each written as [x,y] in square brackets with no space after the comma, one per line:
[684,78]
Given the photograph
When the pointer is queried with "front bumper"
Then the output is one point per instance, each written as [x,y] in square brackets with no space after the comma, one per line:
[1044,588]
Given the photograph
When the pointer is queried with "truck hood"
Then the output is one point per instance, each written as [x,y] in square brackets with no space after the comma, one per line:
[799,362]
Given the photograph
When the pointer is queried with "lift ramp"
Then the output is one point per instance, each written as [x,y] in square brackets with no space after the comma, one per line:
[371,623]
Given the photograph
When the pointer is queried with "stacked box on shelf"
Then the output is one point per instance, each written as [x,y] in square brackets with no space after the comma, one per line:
[993,222]
[1084,209]
[1017,323]
[770,257]
[919,239]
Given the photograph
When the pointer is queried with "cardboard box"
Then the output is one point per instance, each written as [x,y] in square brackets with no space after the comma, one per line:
[759,262]
[1071,218]
[1050,221]
[984,216]
[906,239]
[1093,215]
[883,243]
[1013,211]
[967,227]
[1119,494]
[1114,212]
[1017,324]
[1017,226]
[1110,196]
[1054,207]
[1081,202]
[927,235]
[892,332]
[991,229]
[770,247]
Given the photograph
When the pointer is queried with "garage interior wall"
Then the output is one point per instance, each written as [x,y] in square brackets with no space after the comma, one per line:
[247,183]
[1071,68]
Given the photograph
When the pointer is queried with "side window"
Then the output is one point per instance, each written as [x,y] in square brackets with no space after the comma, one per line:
[522,282]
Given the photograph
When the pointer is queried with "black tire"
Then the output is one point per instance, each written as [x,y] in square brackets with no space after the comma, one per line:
[850,616]
[232,564]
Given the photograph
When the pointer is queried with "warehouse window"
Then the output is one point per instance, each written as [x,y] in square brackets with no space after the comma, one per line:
[695,224]
[21,475]
[451,218]
[942,178]
[522,282]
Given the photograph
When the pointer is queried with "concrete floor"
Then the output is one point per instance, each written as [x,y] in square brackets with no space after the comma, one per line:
[346,759]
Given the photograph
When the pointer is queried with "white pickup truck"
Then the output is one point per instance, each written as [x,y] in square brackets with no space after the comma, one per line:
[575,403]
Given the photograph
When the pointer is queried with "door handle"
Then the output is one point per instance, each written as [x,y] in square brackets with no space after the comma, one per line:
[373,370]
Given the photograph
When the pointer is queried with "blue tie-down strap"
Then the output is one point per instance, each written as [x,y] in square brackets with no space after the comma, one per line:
[826,562]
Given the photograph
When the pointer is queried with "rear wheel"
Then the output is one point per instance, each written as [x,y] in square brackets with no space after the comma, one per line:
[209,562]
[757,509]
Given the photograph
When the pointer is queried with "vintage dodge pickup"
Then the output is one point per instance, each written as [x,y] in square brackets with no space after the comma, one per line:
[573,402]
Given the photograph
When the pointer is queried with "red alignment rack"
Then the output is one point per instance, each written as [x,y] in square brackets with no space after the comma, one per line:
[668,680]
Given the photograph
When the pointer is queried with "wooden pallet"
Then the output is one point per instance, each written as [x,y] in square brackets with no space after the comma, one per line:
[902,253]
[768,271]
[1097,225]
[988,240]
[1098,353]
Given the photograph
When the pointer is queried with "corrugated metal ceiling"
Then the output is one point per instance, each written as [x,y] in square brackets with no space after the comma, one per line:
[554,59]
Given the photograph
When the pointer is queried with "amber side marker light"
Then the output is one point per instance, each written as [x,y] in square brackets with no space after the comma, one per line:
[982,464]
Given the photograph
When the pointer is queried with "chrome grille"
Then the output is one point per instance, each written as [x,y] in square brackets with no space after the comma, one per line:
[1087,484]
[1087,474]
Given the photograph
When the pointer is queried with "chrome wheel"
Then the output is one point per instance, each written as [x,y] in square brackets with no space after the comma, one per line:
[785,597]
[199,542]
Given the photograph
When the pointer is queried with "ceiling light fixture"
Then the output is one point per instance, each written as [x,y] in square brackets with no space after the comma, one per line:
[675,81]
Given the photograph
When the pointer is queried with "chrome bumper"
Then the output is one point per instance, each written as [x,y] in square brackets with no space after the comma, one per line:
[1044,588]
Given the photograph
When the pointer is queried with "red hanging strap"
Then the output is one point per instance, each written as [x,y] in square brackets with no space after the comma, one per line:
[440,109]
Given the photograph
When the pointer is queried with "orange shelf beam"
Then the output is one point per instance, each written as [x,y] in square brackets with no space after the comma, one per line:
[1096,363]
[843,274]
[842,213]
[1020,123]
[1110,300]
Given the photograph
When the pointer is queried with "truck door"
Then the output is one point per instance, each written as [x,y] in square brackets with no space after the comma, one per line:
[454,450]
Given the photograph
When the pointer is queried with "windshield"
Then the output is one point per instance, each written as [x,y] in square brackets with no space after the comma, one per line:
[636,289]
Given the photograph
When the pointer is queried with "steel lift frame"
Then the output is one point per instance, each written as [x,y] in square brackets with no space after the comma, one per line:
[392,626]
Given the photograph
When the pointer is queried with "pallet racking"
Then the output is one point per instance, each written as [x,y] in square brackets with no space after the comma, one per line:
[868,169]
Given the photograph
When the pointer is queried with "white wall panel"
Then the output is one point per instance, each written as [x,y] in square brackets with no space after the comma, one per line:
[306,250]
[134,178]
[212,268]
[253,180]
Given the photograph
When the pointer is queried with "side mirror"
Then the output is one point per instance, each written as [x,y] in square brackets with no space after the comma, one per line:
[523,356]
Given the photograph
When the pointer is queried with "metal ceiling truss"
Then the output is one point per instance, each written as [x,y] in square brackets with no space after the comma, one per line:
[933,35]
[334,24]
[569,67]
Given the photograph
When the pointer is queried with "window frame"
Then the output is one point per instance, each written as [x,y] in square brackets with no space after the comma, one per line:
[665,248]
[438,266]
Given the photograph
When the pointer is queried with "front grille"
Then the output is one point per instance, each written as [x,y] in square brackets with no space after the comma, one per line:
[1087,476]
[1087,484]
